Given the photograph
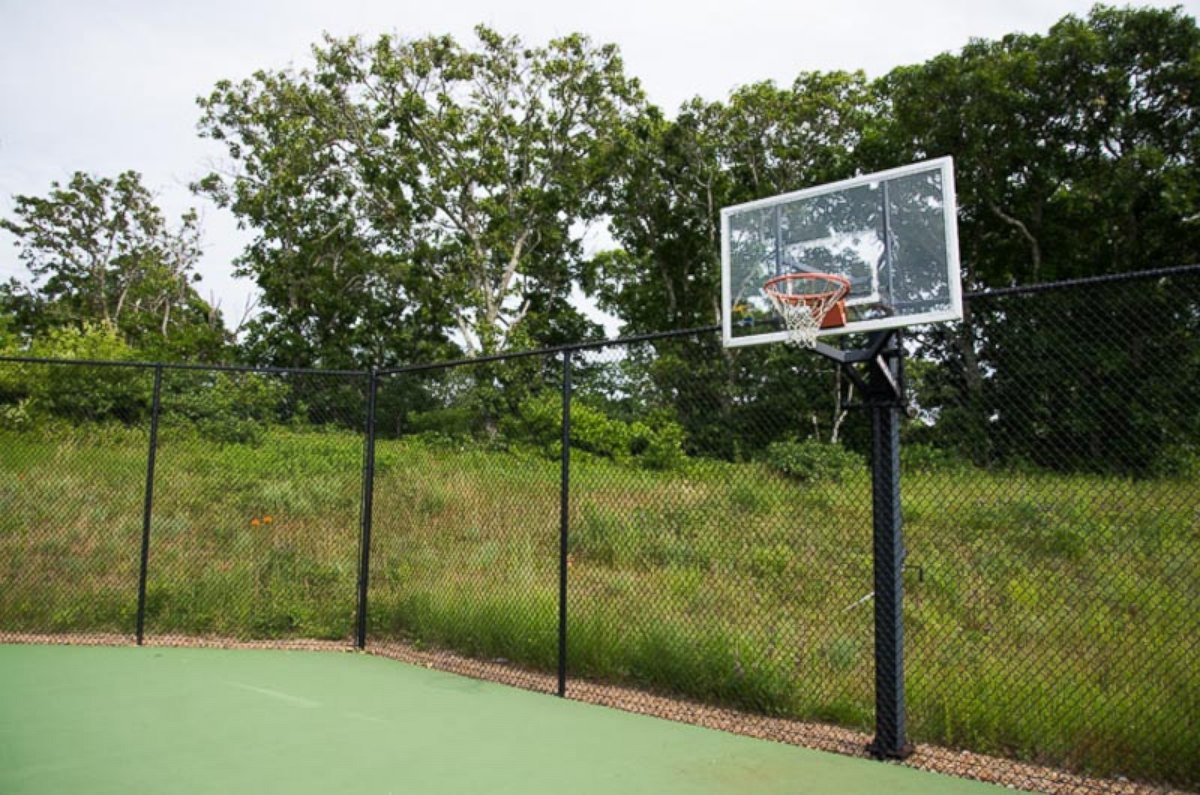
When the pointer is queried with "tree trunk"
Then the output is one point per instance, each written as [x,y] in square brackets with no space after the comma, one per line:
[1035,248]
[973,383]
[840,412]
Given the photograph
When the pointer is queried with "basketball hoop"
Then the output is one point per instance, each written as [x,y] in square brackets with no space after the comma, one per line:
[808,302]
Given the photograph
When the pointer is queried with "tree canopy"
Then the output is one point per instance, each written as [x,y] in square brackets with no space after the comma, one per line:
[1076,150]
[408,193]
[420,199]
[1076,154]
[100,251]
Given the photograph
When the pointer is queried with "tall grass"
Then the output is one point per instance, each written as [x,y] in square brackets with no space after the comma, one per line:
[1049,617]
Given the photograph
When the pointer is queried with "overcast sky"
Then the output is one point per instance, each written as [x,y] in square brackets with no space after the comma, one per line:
[107,86]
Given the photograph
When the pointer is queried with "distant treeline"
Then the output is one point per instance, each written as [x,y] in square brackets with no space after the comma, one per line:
[415,200]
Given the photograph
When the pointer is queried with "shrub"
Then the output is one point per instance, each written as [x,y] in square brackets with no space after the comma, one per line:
[919,457]
[811,461]
[82,392]
[656,443]
[226,408]
[538,421]
[16,416]
[450,422]
[594,431]
[1179,461]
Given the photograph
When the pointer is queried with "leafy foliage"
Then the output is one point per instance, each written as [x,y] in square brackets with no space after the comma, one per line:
[1071,147]
[418,189]
[224,407]
[653,443]
[1072,151]
[416,199]
[100,251]
[812,461]
[81,393]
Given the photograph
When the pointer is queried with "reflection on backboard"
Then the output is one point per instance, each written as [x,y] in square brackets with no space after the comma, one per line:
[893,235]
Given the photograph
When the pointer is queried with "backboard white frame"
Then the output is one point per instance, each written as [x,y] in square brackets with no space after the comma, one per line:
[954,268]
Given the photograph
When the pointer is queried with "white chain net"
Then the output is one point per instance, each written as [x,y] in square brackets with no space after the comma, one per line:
[803,314]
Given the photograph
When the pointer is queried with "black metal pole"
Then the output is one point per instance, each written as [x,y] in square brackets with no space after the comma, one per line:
[891,740]
[564,523]
[368,499]
[148,505]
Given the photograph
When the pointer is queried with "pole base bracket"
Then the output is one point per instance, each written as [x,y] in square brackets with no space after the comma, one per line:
[878,751]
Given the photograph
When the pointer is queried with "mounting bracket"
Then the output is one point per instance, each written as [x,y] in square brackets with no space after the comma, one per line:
[877,369]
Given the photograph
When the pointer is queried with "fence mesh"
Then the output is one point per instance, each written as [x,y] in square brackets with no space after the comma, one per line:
[466,522]
[719,521]
[697,569]
[72,482]
[1051,505]
[256,507]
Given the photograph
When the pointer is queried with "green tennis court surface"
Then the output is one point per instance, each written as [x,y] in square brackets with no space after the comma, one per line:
[128,720]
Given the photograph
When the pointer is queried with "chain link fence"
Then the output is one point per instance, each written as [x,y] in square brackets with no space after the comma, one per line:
[72,486]
[703,537]
[466,528]
[1052,507]
[257,493]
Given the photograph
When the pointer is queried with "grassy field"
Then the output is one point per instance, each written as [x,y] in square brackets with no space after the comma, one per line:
[1049,617]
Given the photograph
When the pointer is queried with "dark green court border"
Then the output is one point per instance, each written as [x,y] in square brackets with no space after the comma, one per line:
[174,721]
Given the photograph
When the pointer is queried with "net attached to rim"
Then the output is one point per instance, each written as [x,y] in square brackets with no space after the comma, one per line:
[808,302]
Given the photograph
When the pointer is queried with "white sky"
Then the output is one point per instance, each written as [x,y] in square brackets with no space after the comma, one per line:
[108,86]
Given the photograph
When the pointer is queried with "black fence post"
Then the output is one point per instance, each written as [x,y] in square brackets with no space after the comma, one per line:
[564,523]
[368,498]
[884,397]
[148,505]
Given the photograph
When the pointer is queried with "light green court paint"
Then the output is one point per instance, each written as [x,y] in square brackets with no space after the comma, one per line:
[176,721]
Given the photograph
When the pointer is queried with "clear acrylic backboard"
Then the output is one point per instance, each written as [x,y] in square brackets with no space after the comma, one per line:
[892,234]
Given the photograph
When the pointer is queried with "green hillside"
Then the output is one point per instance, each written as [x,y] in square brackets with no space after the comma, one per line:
[1047,615]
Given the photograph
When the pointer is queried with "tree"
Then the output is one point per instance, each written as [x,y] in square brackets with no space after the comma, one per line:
[1076,155]
[100,251]
[1075,151]
[409,192]
[676,175]
[665,209]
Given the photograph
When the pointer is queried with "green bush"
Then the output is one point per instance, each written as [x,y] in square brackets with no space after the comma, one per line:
[538,421]
[811,461]
[17,416]
[450,422]
[656,443]
[224,407]
[82,392]
[1180,461]
[918,457]
[594,431]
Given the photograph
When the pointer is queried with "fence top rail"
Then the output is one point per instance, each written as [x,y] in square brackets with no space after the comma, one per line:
[1085,281]
[1065,284]
[138,365]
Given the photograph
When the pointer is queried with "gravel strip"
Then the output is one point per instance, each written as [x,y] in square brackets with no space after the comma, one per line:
[176,641]
[822,737]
